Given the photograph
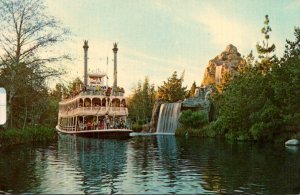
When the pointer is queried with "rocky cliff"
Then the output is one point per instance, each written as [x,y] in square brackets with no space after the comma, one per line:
[223,66]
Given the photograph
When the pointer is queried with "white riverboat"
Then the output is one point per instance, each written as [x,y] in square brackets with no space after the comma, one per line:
[95,110]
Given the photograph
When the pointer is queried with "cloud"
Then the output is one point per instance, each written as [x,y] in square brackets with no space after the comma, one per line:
[219,24]
[224,30]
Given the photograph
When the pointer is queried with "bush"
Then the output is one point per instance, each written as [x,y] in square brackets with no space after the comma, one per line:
[137,127]
[194,120]
[216,128]
[260,131]
[28,135]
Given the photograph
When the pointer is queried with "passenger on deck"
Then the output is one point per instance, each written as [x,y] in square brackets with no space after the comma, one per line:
[102,124]
[89,125]
[107,122]
[122,125]
[81,126]
[94,124]
[99,124]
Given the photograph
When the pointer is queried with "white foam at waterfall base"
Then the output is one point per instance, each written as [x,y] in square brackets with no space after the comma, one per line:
[168,118]
[218,74]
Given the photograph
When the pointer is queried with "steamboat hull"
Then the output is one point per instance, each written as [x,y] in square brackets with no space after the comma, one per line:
[107,133]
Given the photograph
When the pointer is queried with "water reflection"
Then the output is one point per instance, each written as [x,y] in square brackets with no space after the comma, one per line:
[249,168]
[99,164]
[156,167]
[150,164]
[20,169]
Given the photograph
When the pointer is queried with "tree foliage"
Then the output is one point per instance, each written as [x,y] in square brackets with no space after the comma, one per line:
[191,92]
[172,90]
[140,104]
[27,35]
[292,48]
[265,51]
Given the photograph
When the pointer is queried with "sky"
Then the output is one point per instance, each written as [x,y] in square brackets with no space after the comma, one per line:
[157,37]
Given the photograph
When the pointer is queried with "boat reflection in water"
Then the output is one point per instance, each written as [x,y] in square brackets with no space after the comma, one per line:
[100,163]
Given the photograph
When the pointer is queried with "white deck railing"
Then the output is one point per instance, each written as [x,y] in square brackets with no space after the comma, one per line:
[95,111]
[93,93]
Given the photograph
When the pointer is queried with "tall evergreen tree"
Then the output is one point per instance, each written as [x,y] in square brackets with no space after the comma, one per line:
[265,51]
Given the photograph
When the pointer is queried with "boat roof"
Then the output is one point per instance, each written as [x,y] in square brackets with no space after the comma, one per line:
[97,74]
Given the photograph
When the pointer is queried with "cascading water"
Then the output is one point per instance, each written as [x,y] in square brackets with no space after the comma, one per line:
[218,74]
[168,118]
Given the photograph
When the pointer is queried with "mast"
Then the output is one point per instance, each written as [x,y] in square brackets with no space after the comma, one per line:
[115,50]
[85,48]
[106,72]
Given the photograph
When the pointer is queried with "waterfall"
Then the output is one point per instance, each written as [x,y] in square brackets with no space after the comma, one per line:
[218,74]
[168,118]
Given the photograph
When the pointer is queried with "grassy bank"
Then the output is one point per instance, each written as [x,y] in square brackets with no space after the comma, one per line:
[196,132]
[209,132]
[28,135]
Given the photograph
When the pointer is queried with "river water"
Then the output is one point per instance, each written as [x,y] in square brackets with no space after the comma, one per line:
[150,164]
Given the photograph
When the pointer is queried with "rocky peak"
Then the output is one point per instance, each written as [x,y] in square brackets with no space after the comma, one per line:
[231,49]
[227,62]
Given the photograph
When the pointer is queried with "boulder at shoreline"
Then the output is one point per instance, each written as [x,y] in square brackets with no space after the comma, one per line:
[292,142]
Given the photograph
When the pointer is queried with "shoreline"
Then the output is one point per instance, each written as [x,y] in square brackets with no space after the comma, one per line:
[30,135]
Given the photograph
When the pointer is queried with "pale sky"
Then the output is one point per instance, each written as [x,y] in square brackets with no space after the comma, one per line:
[158,37]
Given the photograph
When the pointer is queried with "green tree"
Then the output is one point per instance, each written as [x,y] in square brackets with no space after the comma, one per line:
[248,63]
[74,86]
[286,84]
[58,91]
[172,90]
[292,48]
[191,92]
[246,102]
[27,34]
[265,51]
[140,104]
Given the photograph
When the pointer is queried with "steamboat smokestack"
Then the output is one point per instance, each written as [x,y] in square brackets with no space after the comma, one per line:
[85,48]
[115,49]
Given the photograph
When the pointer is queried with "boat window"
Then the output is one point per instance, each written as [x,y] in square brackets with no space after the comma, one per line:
[116,102]
[96,102]
[123,103]
[87,102]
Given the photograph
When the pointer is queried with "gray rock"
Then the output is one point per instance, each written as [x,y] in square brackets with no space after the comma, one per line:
[292,142]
